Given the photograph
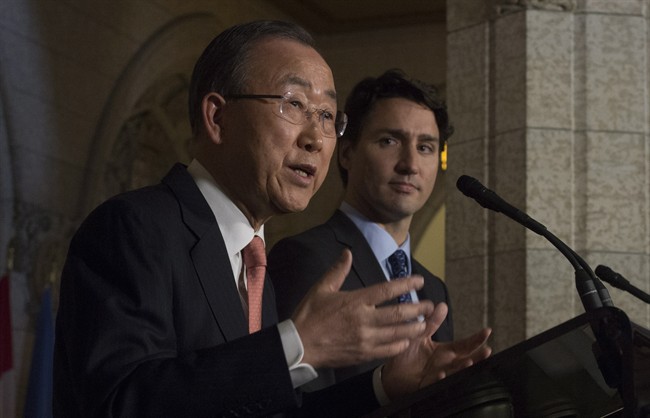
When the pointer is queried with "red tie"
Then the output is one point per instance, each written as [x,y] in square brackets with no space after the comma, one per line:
[255,261]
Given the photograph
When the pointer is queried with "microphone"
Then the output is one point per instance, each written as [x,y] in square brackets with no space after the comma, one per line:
[490,200]
[592,292]
[620,282]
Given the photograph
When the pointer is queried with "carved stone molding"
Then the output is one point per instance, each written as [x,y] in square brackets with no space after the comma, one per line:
[503,7]
[151,140]
[167,57]
[39,246]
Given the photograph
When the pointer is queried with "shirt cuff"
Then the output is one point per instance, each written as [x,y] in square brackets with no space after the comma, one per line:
[378,387]
[294,351]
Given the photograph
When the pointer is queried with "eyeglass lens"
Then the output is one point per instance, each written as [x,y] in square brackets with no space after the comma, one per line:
[295,109]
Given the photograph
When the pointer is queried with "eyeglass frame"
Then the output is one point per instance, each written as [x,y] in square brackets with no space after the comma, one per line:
[339,119]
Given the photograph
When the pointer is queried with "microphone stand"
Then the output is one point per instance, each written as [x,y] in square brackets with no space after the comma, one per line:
[593,294]
[586,286]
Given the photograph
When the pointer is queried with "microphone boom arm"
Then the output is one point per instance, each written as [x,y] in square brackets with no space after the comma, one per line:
[593,293]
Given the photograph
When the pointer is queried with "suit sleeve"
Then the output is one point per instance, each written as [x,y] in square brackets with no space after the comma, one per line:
[117,338]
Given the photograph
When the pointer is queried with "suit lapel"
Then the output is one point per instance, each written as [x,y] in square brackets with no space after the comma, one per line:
[416,268]
[209,255]
[364,262]
[213,269]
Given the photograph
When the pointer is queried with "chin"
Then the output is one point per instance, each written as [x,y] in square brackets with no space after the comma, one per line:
[291,207]
[401,212]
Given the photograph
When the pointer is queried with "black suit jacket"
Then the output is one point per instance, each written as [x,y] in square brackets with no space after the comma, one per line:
[297,262]
[150,322]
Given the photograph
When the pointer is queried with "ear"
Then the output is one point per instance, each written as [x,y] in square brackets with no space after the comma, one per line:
[212,107]
[345,148]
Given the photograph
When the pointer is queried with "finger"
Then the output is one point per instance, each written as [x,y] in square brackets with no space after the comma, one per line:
[431,378]
[458,365]
[387,350]
[480,338]
[401,313]
[370,353]
[481,354]
[333,279]
[473,342]
[404,330]
[435,320]
[387,291]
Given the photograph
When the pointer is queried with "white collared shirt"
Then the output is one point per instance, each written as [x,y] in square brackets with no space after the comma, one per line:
[381,242]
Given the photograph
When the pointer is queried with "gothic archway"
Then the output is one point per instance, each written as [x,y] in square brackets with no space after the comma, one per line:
[144,127]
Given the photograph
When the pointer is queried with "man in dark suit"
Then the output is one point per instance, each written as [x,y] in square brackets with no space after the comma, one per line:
[388,161]
[164,310]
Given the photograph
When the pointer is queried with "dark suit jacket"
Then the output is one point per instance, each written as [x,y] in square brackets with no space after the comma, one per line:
[150,321]
[296,263]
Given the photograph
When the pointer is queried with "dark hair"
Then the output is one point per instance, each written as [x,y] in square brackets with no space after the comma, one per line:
[223,65]
[392,84]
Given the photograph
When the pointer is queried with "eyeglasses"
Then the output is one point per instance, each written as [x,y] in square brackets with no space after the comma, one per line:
[294,109]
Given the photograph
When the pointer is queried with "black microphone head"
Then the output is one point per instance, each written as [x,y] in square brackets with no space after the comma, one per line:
[469,186]
[483,196]
[612,277]
[617,280]
[604,272]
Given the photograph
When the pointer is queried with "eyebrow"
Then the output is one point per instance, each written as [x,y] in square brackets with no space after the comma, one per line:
[299,81]
[400,133]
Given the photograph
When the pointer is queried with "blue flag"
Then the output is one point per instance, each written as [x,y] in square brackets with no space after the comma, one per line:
[38,403]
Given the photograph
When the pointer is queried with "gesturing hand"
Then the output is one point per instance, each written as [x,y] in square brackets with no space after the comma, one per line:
[341,328]
[427,361]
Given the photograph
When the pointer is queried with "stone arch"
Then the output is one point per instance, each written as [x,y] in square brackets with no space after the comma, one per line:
[144,127]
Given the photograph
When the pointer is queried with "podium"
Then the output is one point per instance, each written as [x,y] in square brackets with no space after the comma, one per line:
[594,365]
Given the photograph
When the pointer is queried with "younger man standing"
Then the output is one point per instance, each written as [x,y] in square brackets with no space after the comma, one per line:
[388,160]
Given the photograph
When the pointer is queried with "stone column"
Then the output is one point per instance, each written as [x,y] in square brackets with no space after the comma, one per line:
[549,99]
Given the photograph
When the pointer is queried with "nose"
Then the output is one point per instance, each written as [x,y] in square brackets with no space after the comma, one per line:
[311,137]
[408,161]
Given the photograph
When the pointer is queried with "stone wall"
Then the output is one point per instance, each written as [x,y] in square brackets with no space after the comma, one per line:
[551,107]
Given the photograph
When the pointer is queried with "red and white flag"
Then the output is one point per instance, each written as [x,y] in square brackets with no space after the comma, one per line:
[7,383]
[14,336]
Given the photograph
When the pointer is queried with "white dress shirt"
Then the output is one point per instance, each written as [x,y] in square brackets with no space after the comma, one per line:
[381,242]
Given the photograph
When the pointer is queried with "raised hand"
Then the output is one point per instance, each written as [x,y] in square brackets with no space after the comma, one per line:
[342,328]
[427,361]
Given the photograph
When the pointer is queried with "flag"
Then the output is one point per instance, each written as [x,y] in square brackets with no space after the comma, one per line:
[7,383]
[6,356]
[38,402]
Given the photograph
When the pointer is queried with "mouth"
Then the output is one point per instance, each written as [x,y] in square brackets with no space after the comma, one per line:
[404,186]
[304,170]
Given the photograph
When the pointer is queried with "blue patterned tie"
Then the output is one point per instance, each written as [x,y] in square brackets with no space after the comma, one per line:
[399,268]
